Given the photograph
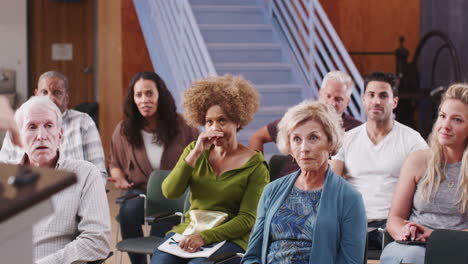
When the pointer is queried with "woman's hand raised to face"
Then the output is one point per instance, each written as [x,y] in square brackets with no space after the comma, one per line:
[204,141]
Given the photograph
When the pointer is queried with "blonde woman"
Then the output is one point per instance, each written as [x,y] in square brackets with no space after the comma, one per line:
[432,190]
[312,215]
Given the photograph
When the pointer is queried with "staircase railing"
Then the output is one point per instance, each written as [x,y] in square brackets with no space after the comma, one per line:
[316,47]
[176,46]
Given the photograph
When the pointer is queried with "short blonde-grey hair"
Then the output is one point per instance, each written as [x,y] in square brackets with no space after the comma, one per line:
[34,103]
[310,110]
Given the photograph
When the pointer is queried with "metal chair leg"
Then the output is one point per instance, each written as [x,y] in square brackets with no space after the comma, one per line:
[117,239]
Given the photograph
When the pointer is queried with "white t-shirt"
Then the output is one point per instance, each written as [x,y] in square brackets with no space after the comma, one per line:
[374,169]
[153,151]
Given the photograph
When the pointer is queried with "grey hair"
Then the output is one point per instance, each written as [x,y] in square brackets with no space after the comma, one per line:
[340,77]
[54,74]
[33,103]
[310,110]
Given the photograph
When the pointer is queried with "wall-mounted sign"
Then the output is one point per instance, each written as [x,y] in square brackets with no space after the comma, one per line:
[62,52]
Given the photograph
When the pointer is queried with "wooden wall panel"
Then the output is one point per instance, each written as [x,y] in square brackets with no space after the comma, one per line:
[135,56]
[122,53]
[450,18]
[52,22]
[369,25]
[109,68]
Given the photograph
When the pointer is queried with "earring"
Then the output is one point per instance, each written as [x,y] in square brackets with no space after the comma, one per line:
[292,159]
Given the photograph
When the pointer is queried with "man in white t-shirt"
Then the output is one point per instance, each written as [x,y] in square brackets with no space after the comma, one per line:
[373,153]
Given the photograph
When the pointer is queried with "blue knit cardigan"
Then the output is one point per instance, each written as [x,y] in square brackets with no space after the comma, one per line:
[340,229]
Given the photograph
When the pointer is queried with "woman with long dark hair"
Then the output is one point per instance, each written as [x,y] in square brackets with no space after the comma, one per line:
[152,136]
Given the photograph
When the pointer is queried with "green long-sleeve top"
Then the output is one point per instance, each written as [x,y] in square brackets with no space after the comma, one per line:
[235,192]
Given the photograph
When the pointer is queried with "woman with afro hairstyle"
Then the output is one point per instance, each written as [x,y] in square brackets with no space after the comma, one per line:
[222,174]
[151,137]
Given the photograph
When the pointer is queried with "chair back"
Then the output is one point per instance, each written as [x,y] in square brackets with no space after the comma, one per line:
[276,164]
[156,202]
[447,246]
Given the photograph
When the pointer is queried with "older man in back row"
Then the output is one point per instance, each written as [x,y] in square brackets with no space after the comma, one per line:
[336,91]
[79,230]
[81,138]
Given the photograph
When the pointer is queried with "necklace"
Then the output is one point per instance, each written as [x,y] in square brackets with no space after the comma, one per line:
[450,184]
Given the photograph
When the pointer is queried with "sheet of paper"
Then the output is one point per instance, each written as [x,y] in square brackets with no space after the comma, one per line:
[172,247]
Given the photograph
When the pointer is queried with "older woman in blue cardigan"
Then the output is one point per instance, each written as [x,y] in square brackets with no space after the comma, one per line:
[311,215]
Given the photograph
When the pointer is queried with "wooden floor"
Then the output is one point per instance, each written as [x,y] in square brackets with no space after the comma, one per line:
[114,210]
[114,193]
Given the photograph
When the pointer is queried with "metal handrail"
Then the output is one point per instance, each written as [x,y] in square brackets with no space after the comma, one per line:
[181,56]
[315,45]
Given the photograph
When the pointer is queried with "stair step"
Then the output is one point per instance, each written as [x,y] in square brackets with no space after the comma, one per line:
[258,73]
[280,94]
[265,115]
[220,8]
[244,135]
[244,52]
[276,88]
[245,45]
[269,149]
[226,14]
[277,111]
[236,33]
[240,41]
[223,2]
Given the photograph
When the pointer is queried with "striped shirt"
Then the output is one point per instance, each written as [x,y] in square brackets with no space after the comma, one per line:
[80,141]
[79,229]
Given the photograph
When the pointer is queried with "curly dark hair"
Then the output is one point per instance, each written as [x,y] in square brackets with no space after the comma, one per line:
[235,95]
[166,115]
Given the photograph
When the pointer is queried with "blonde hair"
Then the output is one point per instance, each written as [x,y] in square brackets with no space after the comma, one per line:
[437,160]
[235,95]
[310,110]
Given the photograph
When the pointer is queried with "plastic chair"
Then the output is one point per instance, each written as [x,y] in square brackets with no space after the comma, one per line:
[223,258]
[157,208]
[374,254]
[276,164]
[447,246]
[92,109]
